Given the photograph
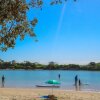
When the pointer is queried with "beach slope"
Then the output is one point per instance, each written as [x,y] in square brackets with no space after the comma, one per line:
[36,94]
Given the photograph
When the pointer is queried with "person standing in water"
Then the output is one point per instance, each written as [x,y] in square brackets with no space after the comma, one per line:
[59,76]
[3,81]
[76,82]
[79,82]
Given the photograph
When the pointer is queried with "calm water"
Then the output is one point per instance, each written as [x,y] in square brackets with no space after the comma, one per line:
[28,79]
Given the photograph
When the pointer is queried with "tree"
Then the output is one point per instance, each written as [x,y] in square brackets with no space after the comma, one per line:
[73,66]
[14,22]
[51,65]
[1,61]
[92,64]
[13,62]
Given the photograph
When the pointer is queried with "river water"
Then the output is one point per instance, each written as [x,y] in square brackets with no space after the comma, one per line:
[30,78]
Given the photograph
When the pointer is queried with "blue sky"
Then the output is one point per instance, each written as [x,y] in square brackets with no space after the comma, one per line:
[67,33]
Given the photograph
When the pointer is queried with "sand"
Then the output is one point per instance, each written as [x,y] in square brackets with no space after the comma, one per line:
[35,94]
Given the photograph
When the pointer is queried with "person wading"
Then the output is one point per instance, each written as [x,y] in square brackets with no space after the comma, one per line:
[3,81]
[59,76]
[76,82]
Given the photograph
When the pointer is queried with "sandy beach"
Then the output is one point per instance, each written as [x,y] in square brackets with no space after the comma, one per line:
[36,94]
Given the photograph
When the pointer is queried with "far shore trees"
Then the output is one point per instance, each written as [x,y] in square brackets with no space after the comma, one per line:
[27,65]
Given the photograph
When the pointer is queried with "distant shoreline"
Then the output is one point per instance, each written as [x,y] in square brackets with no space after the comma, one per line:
[51,70]
[27,65]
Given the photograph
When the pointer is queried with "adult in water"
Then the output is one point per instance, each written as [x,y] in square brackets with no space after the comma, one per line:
[59,76]
[76,82]
[80,83]
[3,81]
